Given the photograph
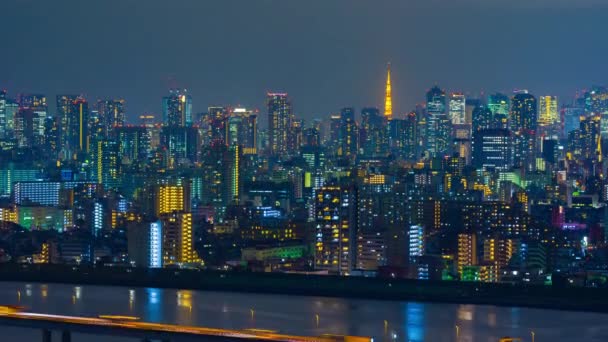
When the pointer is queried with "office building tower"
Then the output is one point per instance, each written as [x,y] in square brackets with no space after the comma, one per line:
[35,109]
[499,104]
[483,118]
[492,149]
[457,106]
[438,123]
[348,133]
[64,108]
[177,241]
[181,145]
[243,130]
[177,108]
[24,127]
[107,163]
[111,114]
[596,101]
[215,123]
[523,115]
[373,133]
[388,95]
[76,131]
[52,136]
[523,123]
[145,244]
[335,226]
[402,136]
[279,115]
[135,145]
[3,123]
[548,114]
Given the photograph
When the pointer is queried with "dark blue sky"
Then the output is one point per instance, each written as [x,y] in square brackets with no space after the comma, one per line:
[326,53]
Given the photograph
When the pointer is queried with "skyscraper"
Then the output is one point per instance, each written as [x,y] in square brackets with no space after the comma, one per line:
[492,149]
[77,133]
[523,123]
[64,106]
[499,104]
[107,163]
[348,133]
[457,106]
[111,113]
[373,138]
[3,114]
[438,124]
[388,97]
[177,108]
[279,115]
[548,114]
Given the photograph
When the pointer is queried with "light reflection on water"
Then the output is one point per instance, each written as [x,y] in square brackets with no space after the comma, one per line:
[386,321]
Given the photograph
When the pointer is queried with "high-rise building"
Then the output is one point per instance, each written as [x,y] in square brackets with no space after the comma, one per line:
[177,240]
[145,244]
[438,123]
[348,133]
[523,123]
[35,108]
[548,113]
[388,97]
[3,123]
[64,108]
[77,126]
[492,149]
[181,145]
[242,130]
[373,135]
[499,104]
[523,115]
[177,108]
[134,143]
[457,106]
[279,115]
[336,224]
[111,114]
[402,136]
[108,163]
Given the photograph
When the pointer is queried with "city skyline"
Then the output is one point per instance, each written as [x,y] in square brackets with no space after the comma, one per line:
[324,64]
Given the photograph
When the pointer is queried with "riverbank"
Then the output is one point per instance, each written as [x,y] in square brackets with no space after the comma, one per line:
[547,297]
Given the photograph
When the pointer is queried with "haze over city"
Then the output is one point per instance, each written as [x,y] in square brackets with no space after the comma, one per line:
[325,54]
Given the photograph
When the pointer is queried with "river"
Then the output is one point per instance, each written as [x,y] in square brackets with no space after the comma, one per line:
[383,320]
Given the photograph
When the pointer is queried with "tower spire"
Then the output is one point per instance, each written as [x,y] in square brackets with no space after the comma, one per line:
[388,100]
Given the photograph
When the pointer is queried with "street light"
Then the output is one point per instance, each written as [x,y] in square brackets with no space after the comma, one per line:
[457,332]
[533,334]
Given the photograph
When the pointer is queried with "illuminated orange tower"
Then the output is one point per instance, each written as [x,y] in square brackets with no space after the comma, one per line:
[388,100]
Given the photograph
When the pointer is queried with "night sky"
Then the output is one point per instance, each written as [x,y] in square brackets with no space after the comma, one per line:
[326,54]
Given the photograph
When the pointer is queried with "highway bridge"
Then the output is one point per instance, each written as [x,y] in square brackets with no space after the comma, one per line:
[144,331]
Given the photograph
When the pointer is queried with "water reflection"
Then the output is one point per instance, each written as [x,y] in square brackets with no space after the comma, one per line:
[386,321]
[154,309]
[414,322]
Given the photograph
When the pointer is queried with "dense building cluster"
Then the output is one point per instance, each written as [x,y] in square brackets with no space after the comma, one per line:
[499,188]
